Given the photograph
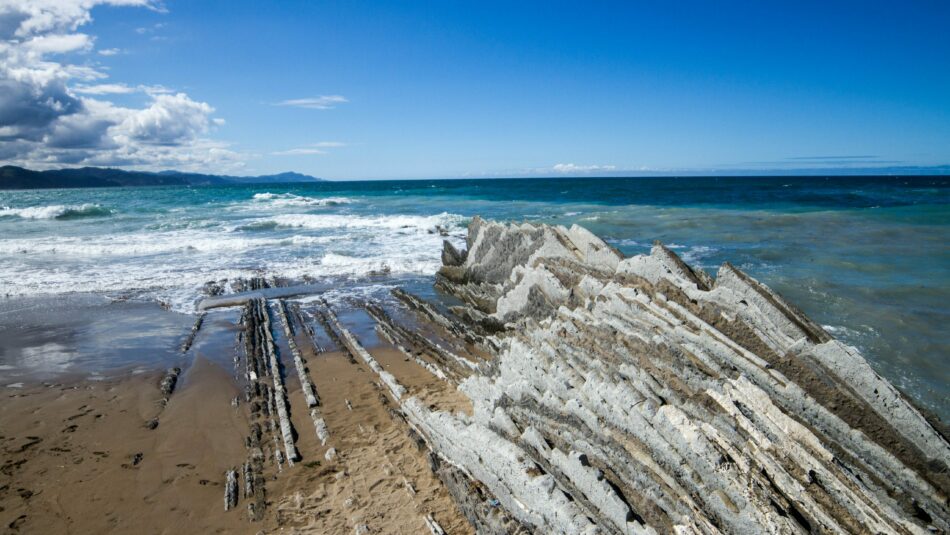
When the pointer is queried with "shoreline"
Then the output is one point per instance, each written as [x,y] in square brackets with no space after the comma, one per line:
[562,387]
[116,473]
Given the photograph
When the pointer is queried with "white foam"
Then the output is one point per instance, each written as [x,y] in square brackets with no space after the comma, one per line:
[397,264]
[627,242]
[189,242]
[341,294]
[695,254]
[393,222]
[289,199]
[172,266]
[53,211]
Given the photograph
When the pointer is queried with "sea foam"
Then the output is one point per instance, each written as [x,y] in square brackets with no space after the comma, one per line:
[289,199]
[56,211]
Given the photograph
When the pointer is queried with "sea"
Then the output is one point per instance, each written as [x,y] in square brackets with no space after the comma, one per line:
[866,257]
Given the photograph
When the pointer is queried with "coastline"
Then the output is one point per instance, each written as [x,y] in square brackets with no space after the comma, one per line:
[558,388]
[863,257]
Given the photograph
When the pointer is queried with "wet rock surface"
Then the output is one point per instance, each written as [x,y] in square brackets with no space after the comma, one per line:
[640,395]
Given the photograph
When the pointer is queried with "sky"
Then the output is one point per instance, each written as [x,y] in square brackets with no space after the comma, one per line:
[415,89]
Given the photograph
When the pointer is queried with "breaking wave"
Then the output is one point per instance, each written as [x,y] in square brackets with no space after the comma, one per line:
[289,199]
[429,224]
[57,211]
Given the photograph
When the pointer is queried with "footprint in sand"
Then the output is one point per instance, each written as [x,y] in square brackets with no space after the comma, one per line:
[31,441]
[17,522]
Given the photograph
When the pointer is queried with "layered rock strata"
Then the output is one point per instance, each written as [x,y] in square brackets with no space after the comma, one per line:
[572,390]
[640,395]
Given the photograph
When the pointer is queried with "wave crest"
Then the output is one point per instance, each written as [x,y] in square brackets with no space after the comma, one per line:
[413,223]
[57,211]
[289,199]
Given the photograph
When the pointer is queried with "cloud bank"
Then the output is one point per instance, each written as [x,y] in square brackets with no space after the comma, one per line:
[571,169]
[54,109]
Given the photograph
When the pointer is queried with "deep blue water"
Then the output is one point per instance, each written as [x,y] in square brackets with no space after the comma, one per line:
[866,256]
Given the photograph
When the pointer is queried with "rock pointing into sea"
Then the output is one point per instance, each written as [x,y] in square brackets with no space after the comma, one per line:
[640,395]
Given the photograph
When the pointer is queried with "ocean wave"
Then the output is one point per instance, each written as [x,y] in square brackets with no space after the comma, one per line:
[171,267]
[264,224]
[339,264]
[289,199]
[138,245]
[626,242]
[178,284]
[841,331]
[57,211]
[695,254]
[426,224]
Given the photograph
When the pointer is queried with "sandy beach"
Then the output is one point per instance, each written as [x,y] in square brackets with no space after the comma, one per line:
[80,456]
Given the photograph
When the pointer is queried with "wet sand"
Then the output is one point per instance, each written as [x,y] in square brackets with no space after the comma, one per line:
[47,338]
[378,477]
[79,457]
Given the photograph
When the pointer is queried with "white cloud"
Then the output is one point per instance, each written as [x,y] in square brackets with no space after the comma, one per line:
[170,120]
[59,44]
[55,113]
[149,29]
[570,168]
[121,89]
[298,152]
[323,102]
[110,52]
[311,149]
[104,89]
[38,17]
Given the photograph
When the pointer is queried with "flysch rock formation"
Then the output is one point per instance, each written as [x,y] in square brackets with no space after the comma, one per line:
[568,390]
[639,395]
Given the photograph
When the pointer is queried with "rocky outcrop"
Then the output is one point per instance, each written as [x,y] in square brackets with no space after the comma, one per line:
[640,395]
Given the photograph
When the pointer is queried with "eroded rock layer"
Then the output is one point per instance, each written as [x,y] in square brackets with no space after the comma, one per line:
[639,395]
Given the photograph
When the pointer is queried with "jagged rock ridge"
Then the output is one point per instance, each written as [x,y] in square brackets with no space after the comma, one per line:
[639,395]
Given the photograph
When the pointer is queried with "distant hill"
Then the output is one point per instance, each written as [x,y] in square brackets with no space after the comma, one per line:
[13,177]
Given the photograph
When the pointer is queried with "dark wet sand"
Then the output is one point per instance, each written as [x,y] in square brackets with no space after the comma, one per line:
[81,335]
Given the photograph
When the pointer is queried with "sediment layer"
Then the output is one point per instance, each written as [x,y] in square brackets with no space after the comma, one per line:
[640,395]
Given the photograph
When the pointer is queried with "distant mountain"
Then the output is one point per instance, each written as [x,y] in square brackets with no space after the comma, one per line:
[289,176]
[13,177]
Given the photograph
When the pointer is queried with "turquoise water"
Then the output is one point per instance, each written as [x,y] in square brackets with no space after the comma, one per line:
[867,257]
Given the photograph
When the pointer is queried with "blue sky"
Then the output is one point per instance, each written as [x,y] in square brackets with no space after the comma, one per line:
[451,89]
